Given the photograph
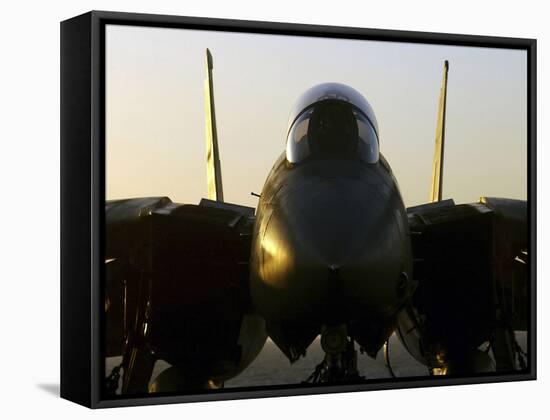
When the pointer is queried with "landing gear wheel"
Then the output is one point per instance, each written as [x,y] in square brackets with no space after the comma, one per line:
[340,362]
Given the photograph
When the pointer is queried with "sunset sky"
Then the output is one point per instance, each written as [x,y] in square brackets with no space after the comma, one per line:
[155,110]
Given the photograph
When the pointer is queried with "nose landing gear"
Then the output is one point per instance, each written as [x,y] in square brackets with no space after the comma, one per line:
[340,362]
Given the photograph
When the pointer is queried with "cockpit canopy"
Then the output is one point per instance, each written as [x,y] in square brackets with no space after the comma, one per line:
[332,121]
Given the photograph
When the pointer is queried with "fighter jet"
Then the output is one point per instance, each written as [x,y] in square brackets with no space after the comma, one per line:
[330,250]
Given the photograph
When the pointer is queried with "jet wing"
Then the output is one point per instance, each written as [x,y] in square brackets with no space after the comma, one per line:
[470,262]
[175,256]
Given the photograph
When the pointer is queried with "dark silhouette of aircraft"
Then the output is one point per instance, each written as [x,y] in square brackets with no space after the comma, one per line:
[330,250]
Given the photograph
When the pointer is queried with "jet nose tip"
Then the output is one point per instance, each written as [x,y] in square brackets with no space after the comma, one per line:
[334,238]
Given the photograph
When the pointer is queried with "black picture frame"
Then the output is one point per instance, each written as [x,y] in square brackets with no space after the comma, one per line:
[83,198]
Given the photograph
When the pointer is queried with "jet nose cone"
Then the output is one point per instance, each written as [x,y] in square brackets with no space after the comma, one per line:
[329,226]
[328,249]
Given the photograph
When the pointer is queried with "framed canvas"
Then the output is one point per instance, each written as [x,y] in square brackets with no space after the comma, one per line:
[254,209]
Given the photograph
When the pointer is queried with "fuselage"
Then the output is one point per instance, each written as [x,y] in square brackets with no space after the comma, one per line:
[330,246]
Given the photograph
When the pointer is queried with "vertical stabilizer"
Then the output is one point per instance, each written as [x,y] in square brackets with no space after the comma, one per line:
[213,166]
[436,191]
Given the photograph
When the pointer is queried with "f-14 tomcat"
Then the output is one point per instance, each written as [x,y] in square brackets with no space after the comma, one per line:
[330,250]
